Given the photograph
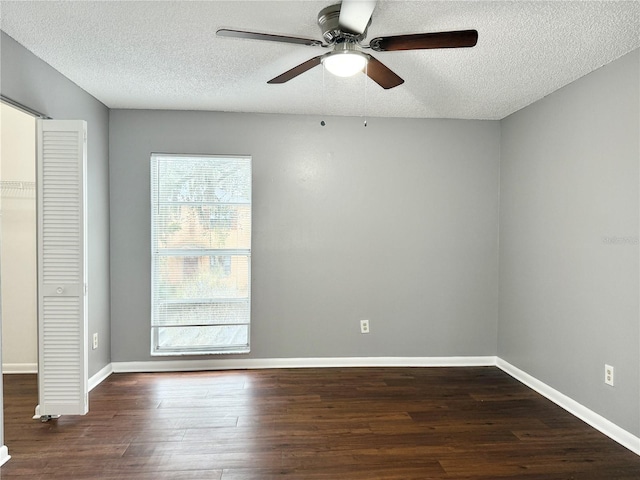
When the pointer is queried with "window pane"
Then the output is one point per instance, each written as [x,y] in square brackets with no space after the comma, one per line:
[180,226]
[203,337]
[182,277]
[203,179]
[201,313]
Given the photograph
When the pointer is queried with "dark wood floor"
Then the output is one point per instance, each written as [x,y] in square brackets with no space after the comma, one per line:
[309,424]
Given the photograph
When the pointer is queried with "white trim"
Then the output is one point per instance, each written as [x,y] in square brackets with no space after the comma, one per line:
[328,362]
[610,429]
[4,455]
[19,368]
[100,376]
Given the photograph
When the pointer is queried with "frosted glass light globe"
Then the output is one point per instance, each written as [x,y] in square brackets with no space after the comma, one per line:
[345,64]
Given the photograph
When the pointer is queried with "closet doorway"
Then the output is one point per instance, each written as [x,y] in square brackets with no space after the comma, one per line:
[18,241]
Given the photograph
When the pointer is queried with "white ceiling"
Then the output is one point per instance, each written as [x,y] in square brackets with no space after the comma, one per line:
[165,54]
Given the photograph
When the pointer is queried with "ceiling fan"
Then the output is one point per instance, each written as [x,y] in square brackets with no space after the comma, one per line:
[344,27]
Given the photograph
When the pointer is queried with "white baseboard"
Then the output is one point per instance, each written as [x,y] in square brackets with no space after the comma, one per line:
[100,377]
[19,368]
[4,455]
[610,429]
[262,363]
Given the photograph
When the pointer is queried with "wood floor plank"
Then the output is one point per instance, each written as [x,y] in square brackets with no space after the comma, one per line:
[309,424]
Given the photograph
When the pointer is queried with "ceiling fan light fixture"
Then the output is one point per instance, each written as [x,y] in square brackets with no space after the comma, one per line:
[346,59]
[345,64]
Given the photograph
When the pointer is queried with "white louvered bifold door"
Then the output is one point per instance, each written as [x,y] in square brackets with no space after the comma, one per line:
[62,273]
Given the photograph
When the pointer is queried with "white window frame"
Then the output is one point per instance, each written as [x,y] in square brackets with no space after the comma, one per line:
[156,253]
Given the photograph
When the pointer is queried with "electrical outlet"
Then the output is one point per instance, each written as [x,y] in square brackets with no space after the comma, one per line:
[608,375]
[364,326]
[95,341]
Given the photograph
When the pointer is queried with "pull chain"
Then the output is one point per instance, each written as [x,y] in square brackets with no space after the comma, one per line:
[366,76]
[324,98]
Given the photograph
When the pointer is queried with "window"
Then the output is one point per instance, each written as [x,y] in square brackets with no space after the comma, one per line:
[200,254]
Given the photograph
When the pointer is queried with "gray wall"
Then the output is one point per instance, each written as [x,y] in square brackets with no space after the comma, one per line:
[31,82]
[396,222]
[569,240]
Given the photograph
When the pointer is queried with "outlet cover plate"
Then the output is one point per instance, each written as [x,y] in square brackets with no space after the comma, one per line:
[364,326]
[608,375]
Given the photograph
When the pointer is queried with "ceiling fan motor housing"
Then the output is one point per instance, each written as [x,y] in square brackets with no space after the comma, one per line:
[347,46]
[329,23]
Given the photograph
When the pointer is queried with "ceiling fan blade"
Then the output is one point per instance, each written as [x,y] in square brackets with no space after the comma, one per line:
[355,15]
[457,39]
[224,32]
[295,71]
[381,74]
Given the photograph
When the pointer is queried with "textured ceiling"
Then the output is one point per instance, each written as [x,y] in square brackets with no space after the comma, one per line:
[165,54]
